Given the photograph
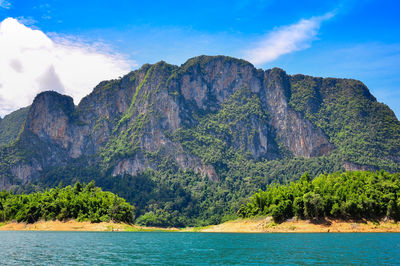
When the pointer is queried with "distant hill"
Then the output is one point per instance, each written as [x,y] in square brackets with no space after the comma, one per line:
[188,144]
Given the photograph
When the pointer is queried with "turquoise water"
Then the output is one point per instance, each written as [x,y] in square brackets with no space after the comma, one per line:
[61,248]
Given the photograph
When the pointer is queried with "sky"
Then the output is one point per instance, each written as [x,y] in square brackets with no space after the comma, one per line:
[70,46]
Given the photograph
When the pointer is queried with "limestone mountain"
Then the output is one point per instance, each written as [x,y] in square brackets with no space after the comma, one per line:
[213,129]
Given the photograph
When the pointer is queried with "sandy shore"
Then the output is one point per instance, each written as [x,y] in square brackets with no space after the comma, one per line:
[266,225]
[77,226]
[256,225]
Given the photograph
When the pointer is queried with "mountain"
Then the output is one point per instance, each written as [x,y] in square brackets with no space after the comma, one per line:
[197,139]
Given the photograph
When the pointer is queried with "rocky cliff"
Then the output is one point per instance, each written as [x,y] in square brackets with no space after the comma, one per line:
[204,116]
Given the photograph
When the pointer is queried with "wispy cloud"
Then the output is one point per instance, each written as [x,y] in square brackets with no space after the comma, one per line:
[32,62]
[5,4]
[27,21]
[286,39]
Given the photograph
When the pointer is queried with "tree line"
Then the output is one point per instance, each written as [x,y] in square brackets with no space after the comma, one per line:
[346,195]
[80,202]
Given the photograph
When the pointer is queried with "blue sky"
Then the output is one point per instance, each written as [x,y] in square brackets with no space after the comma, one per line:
[332,38]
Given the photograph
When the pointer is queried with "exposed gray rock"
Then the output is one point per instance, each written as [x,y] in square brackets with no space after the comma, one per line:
[298,134]
[348,166]
[25,172]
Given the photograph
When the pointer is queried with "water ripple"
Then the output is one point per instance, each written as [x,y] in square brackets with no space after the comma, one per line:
[151,248]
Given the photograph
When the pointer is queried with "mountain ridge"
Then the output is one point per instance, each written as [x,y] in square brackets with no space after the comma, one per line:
[289,105]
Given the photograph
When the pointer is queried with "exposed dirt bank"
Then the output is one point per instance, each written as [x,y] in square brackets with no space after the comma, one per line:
[77,226]
[266,225]
[256,225]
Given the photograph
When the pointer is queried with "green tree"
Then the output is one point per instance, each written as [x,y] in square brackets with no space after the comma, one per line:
[313,205]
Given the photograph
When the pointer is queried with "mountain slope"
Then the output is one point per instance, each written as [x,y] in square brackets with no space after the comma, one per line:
[11,124]
[199,138]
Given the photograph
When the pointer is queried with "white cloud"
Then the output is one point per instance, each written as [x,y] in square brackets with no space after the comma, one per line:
[286,40]
[5,4]
[32,62]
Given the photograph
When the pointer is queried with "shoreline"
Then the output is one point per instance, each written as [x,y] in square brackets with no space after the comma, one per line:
[75,226]
[252,225]
[266,225]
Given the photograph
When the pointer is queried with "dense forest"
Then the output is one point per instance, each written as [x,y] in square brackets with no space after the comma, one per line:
[344,195]
[347,195]
[80,202]
[174,197]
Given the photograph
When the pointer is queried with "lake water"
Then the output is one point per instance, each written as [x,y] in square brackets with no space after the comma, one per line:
[60,248]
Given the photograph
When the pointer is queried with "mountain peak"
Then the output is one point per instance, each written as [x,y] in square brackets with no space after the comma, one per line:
[205,59]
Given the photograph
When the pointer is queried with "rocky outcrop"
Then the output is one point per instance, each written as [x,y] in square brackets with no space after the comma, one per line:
[25,172]
[210,81]
[53,119]
[348,166]
[185,161]
[131,166]
[298,134]
[50,116]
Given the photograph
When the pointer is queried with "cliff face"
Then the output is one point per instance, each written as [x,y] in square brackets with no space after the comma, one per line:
[200,116]
[51,119]
[298,134]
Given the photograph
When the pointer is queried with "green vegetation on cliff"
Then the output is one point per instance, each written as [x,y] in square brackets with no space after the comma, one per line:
[10,125]
[226,136]
[347,195]
[81,202]
[364,131]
